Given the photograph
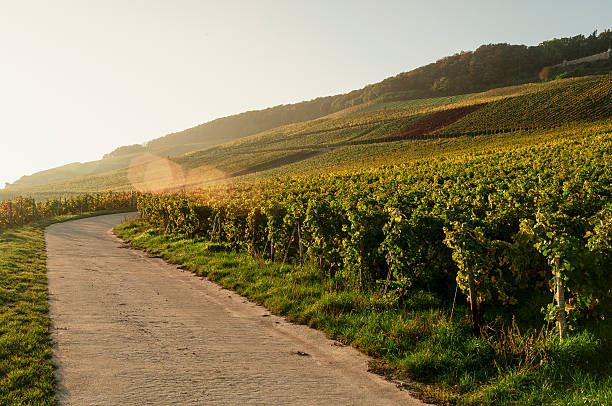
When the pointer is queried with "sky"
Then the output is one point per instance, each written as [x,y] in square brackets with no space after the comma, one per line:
[80,78]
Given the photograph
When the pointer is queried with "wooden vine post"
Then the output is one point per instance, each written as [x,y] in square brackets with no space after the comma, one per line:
[361,262]
[471,252]
[299,231]
[560,299]
[253,227]
[473,301]
[288,246]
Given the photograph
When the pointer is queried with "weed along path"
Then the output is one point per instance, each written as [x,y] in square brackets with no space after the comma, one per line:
[129,329]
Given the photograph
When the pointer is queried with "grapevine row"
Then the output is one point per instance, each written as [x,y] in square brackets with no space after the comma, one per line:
[583,101]
[497,225]
[23,210]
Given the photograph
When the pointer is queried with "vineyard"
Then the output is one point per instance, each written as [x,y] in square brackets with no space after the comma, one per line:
[578,101]
[486,271]
[22,211]
[498,226]
[458,233]
[433,121]
[399,105]
[353,137]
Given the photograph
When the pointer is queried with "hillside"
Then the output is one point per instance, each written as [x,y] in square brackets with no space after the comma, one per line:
[371,135]
[488,67]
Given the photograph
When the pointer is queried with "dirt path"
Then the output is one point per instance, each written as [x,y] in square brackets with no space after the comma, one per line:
[134,330]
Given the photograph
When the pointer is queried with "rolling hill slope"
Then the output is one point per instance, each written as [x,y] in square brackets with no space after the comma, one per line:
[372,135]
[448,80]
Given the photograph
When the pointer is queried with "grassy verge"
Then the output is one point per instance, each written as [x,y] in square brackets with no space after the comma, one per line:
[416,341]
[26,371]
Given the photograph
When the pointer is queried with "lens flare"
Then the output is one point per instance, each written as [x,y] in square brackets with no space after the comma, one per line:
[151,173]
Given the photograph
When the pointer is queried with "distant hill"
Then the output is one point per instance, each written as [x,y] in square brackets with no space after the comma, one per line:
[367,136]
[488,67]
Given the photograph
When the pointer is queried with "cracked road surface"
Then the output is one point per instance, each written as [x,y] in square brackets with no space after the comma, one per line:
[133,330]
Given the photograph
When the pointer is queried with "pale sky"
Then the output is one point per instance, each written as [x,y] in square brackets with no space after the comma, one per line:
[80,78]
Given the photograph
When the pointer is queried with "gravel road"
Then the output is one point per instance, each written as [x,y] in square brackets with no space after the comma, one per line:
[133,330]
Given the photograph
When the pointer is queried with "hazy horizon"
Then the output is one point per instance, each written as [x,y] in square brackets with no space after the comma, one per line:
[80,78]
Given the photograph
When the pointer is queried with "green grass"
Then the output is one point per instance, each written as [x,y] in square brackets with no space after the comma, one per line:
[26,370]
[415,341]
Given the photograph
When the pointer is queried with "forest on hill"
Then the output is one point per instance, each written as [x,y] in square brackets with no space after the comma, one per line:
[489,66]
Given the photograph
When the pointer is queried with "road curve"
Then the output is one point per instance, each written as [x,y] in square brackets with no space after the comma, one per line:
[133,330]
